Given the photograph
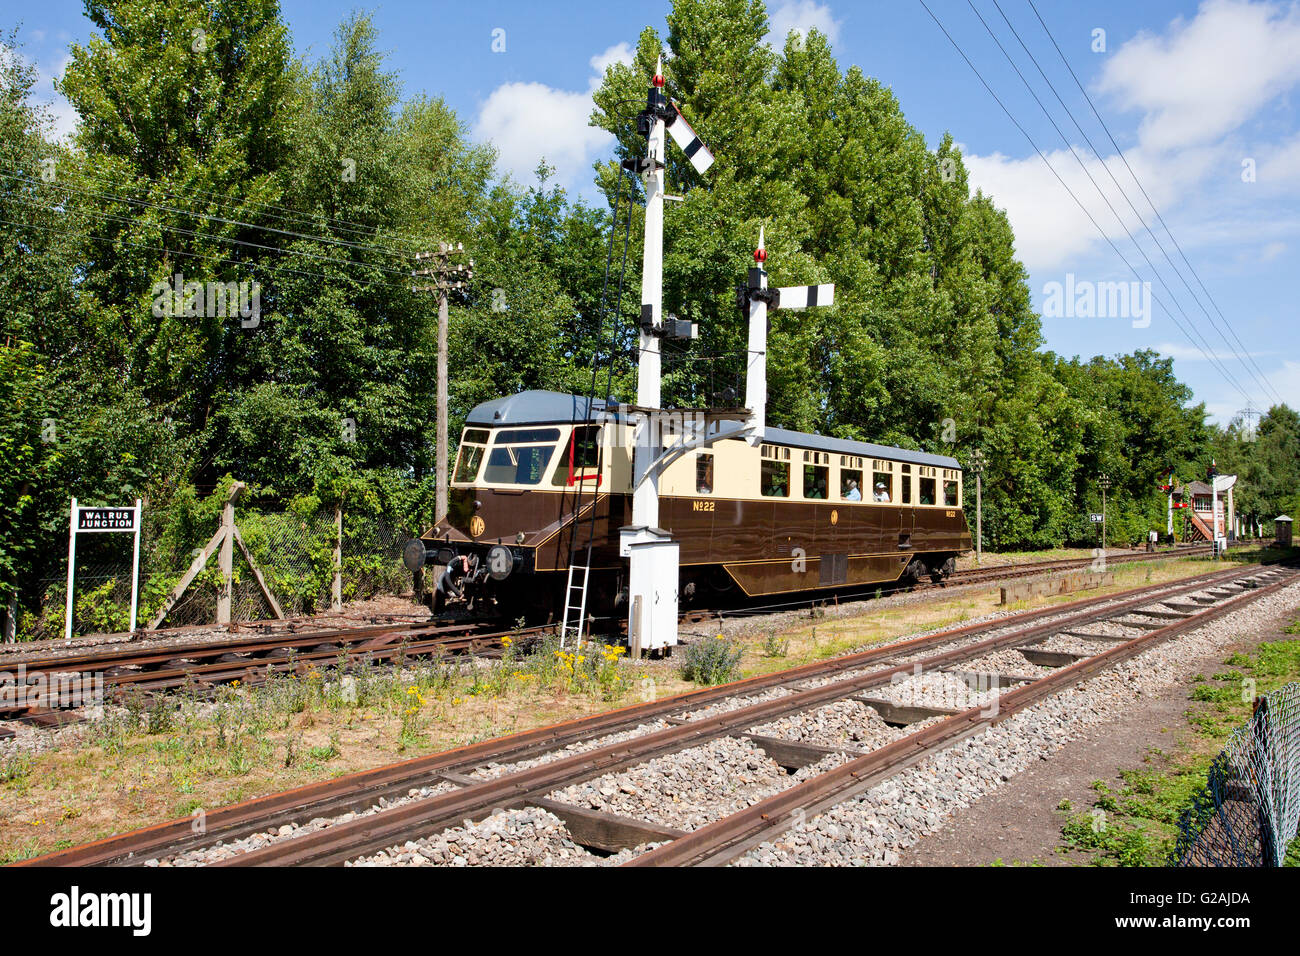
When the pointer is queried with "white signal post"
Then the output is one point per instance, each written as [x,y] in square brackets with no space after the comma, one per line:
[756,367]
[652,554]
[759,298]
[87,520]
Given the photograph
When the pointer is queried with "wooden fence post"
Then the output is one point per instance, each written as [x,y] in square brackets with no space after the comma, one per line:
[227,559]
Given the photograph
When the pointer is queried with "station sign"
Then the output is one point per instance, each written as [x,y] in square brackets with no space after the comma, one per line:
[106,519]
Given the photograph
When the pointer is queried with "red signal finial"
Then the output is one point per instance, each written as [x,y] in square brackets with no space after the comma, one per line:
[659,73]
[760,254]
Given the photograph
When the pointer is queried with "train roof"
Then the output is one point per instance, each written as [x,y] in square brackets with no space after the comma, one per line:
[845,446]
[553,408]
[535,408]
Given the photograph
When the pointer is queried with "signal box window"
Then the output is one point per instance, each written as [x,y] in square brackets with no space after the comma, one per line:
[851,484]
[950,493]
[704,474]
[774,479]
[905,485]
[815,481]
[882,486]
[927,492]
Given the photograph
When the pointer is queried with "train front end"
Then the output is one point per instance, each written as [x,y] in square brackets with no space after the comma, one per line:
[531,487]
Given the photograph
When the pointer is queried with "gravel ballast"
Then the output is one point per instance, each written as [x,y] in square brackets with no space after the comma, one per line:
[871,829]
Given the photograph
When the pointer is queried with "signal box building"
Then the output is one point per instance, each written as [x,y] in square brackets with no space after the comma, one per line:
[1202,521]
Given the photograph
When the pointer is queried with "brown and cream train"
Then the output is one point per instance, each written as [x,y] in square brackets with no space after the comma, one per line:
[540,475]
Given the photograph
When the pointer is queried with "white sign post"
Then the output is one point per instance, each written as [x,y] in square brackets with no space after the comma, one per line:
[89,520]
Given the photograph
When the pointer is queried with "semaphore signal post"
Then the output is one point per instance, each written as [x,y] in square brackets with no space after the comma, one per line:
[653,555]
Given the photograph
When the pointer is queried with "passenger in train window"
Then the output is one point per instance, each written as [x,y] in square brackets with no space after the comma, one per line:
[883,482]
[950,493]
[850,484]
[927,492]
[882,492]
[704,475]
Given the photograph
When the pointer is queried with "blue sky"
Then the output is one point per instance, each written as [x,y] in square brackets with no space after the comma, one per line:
[1200,97]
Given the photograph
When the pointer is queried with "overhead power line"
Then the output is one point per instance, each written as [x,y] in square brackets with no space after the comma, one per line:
[1109,205]
[1254,372]
[962,53]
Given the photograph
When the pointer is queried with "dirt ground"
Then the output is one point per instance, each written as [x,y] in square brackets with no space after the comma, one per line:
[1019,822]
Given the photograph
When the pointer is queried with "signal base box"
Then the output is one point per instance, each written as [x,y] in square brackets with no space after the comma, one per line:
[652,587]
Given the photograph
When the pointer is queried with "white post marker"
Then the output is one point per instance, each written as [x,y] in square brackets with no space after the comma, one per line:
[85,520]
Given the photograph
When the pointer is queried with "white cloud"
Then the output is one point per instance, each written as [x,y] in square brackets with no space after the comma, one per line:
[802,16]
[1206,76]
[43,94]
[529,122]
[618,53]
[1189,353]
[1196,85]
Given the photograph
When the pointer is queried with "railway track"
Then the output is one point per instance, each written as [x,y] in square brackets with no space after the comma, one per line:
[1028,569]
[278,647]
[35,687]
[385,807]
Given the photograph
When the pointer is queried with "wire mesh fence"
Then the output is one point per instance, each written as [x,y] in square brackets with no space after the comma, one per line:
[294,550]
[1248,812]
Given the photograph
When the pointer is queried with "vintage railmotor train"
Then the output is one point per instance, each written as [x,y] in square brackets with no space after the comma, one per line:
[541,475]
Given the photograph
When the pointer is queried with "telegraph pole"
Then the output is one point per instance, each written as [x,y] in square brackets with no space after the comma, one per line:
[977,466]
[1104,481]
[446,277]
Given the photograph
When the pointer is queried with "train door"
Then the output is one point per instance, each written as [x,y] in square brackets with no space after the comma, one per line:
[906,511]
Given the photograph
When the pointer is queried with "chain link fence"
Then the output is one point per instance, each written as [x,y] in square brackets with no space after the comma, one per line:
[293,549]
[1248,812]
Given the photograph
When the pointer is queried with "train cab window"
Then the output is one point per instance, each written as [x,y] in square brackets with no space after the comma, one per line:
[774,472]
[851,484]
[470,455]
[882,486]
[704,474]
[926,496]
[950,494]
[519,456]
[905,485]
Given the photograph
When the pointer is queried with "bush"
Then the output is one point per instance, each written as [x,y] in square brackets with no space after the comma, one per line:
[712,661]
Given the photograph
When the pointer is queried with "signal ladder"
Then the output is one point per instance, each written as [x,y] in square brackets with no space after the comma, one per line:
[584,571]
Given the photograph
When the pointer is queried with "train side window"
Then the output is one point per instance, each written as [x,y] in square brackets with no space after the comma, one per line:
[816,481]
[774,479]
[579,458]
[905,485]
[851,484]
[950,494]
[704,474]
[882,486]
[927,492]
